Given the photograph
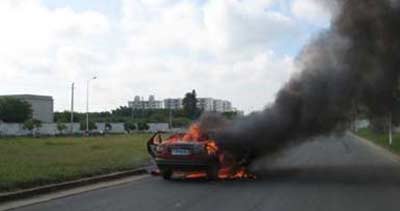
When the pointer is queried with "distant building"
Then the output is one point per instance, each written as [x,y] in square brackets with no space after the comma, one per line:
[173,103]
[205,104]
[151,103]
[217,105]
[226,106]
[42,106]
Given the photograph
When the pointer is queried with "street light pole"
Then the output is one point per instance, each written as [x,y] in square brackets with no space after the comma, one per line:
[390,129]
[170,119]
[87,104]
[72,107]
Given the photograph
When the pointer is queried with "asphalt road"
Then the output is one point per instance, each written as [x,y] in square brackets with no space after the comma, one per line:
[327,174]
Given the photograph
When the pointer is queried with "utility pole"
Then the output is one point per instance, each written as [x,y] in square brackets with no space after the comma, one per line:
[390,129]
[87,104]
[170,119]
[72,107]
[132,111]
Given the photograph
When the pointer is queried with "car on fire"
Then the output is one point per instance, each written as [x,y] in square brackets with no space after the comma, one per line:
[198,152]
[181,152]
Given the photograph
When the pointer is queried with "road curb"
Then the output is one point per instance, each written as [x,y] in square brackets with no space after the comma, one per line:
[383,150]
[22,194]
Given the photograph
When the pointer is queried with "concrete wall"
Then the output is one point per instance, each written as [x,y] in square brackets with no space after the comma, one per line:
[115,127]
[12,129]
[154,127]
[15,129]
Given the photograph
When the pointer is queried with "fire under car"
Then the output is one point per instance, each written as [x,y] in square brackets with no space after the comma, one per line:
[195,154]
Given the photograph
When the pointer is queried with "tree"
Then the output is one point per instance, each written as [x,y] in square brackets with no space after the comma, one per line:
[181,122]
[32,125]
[108,126]
[230,114]
[61,126]
[129,126]
[14,110]
[190,105]
[92,125]
[122,111]
[65,116]
[142,126]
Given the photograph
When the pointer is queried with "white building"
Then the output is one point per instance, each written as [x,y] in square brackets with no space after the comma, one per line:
[218,105]
[226,106]
[173,103]
[205,104]
[151,103]
[42,106]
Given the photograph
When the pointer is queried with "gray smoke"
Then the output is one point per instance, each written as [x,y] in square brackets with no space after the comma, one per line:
[354,63]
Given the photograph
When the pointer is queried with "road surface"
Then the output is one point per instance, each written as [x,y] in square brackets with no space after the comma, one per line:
[327,174]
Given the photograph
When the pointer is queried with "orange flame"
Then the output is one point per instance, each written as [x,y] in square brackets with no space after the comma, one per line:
[193,134]
[228,167]
[211,147]
[196,175]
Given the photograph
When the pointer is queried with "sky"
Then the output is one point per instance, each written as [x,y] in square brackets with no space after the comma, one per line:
[237,50]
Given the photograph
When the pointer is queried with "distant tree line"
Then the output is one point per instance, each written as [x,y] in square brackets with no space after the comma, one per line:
[126,114]
[139,117]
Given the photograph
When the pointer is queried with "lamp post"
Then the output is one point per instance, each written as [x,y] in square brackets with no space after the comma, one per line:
[87,103]
[72,108]
[390,129]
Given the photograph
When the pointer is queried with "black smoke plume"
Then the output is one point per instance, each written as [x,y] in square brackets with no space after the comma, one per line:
[354,63]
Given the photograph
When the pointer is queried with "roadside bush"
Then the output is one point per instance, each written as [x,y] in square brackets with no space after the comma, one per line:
[108,127]
[92,125]
[61,127]
[32,125]
[379,125]
[142,126]
[181,122]
[129,126]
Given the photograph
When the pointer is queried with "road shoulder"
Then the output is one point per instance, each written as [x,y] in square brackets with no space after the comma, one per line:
[69,192]
[381,150]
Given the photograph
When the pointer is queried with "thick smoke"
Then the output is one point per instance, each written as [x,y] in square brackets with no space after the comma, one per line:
[354,63]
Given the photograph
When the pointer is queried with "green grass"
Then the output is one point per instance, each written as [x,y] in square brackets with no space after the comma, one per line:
[382,139]
[28,162]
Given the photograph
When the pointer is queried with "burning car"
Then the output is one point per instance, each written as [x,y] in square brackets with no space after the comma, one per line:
[195,154]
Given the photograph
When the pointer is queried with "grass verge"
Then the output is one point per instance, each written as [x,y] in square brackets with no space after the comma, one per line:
[381,139]
[28,162]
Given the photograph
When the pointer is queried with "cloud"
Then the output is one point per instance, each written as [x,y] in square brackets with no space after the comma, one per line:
[33,30]
[241,25]
[42,48]
[314,12]
[181,47]
[224,49]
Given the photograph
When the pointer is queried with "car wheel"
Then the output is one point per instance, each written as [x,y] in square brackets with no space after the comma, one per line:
[166,174]
[212,172]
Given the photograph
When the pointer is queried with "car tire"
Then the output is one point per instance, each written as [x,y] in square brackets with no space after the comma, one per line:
[212,172]
[166,174]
